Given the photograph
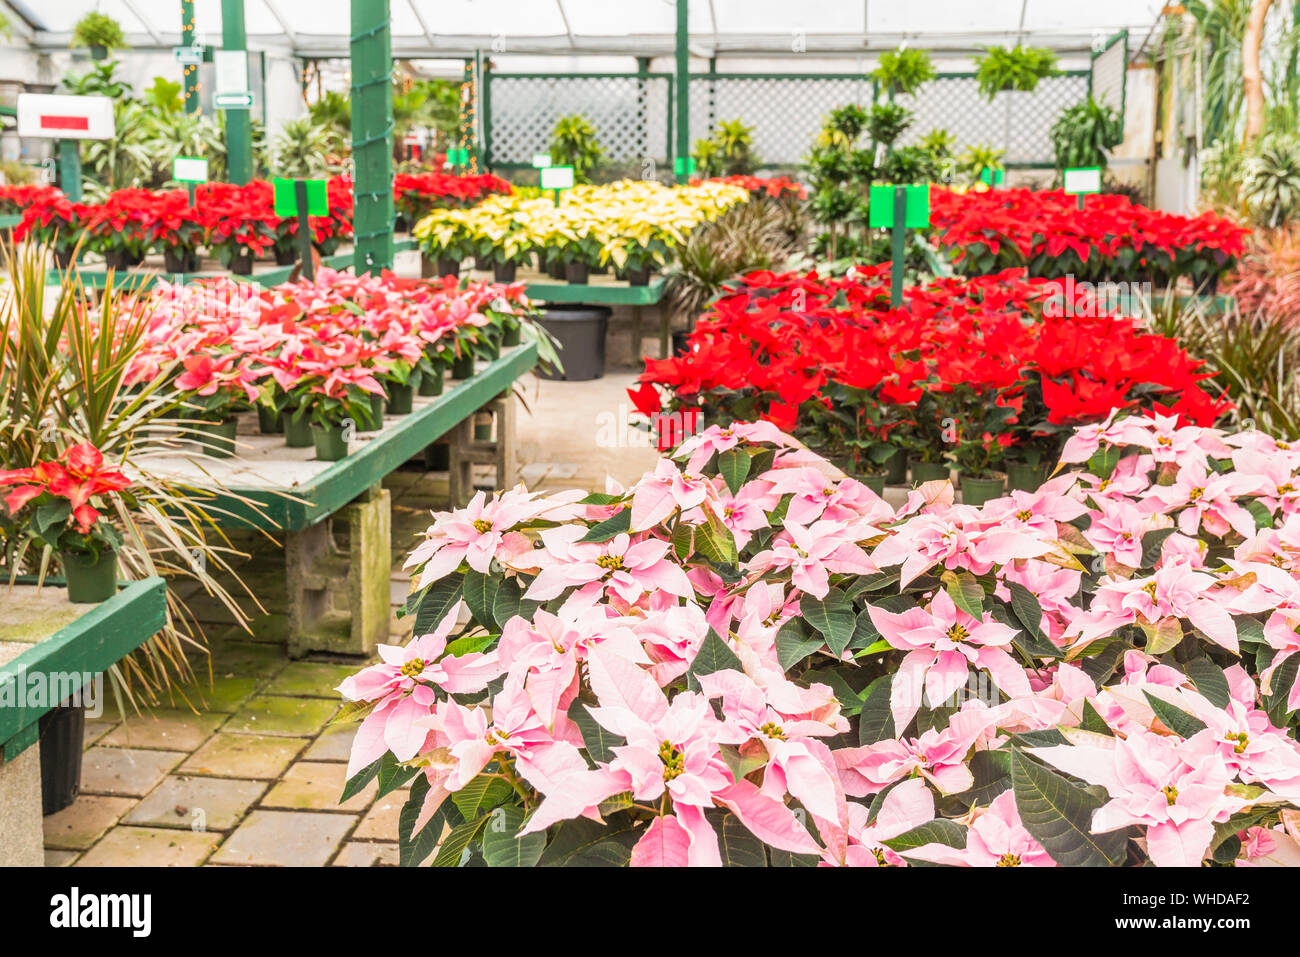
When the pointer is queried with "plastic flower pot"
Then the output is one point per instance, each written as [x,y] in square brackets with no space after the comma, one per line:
[90,579]
[929,472]
[580,333]
[62,730]
[875,482]
[483,427]
[400,398]
[448,267]
[176,260]
[555,269]
[504,272]
[896,468]
[512,335]
[462,367]
[681,343]
[378,404]
[437,457]
[269,421]
[330,443]
[286,257]
[297,432]
[977,491]
[115,259]
[216,438]
[638,277]
[482,264]
[1023,477]
[576,273]
[241,264]
[431,383]
[63,258]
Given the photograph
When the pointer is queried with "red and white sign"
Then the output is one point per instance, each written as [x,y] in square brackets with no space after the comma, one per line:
[58,117]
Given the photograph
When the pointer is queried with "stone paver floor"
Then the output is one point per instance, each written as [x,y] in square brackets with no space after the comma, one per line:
[255,776]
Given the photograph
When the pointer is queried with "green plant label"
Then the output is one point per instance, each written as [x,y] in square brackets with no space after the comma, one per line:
[286,197]
[917,215]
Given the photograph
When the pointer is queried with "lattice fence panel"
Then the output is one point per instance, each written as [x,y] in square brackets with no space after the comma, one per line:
[786,112]
[1017,122]
[1108,73]
[630,114]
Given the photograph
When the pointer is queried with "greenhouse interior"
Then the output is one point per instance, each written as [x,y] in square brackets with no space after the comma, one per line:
[510,433]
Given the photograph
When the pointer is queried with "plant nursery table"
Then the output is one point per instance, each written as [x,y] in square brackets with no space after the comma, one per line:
[49,648]
[600,291]
[339,601]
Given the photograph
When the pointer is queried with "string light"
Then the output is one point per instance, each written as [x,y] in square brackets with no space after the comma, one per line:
[468,118]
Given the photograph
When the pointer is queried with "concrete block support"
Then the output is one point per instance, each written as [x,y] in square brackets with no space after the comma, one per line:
[339,598]
[21,840]
[476,441]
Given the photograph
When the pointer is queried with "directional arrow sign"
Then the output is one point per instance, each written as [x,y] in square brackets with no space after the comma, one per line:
[233,101]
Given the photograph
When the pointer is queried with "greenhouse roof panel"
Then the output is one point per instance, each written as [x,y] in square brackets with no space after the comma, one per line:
[321,27]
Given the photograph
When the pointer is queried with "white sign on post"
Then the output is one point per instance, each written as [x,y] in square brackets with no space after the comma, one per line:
[190,169]
[1083,180]
[63,117]
[557,177]
[189,56]
[230,71]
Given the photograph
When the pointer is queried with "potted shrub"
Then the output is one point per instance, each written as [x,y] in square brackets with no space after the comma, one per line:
[904,71]
[99,33]
[574,143]
[55,502]
[1016,68]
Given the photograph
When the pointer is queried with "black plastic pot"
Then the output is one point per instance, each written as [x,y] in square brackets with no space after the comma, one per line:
[580,333]
[638,277]
[176,261]
[116,259]
[482,263]
[286,257]
[504,272]
[437,457]
[681,345]
[63,258]
[241,264]
[62,731]
[448,267]
[576,274]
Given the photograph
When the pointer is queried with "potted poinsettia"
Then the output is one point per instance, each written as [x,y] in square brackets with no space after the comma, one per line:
[54,502]
[220,384]
[333,395]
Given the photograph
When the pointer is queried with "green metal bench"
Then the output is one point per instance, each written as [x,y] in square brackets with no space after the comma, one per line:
[341,603]
[49,648]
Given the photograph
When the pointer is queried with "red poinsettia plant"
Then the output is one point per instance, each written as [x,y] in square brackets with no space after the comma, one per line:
[58,503]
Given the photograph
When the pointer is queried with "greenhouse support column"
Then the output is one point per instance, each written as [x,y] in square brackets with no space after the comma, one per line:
[190,70]
[372,135]
[683,92]
[239,138]
[70,169]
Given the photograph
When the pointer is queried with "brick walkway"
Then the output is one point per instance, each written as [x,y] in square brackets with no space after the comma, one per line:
[255,776]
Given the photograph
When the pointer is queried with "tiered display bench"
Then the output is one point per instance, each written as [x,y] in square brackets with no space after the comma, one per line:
[48,648]
[339,602]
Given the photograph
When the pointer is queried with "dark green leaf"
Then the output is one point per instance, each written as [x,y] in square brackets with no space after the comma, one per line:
[439,598]
[501,848]
[965,592]
[876,722]
[939,831]
[581,836]
[1175,719]
[481,795]
[597,740]
[414,848]
[793,645]
[362,778]
[452,848]
[832,616]
[616,524]
[481,595]
[392,775]
[714,655]
[733,466]
[1209,680]
[1058,814]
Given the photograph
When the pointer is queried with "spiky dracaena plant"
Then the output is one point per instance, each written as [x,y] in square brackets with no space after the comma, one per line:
[1270,184]
[63,367]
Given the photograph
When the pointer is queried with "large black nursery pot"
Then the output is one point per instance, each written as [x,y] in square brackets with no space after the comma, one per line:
[62,733]
[580,333]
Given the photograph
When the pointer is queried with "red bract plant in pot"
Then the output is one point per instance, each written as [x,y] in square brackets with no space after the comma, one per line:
[53,505]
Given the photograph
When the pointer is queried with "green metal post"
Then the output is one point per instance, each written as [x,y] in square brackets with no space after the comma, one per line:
[190,70]
[239,137]
[683,92]
[899,236]
[485,97]
[70,169]
[372,135]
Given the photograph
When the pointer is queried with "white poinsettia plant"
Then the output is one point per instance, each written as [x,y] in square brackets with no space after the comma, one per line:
[748,658]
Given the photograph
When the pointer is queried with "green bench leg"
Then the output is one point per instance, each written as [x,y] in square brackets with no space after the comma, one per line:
[339,598]
[21,840]
[474,444]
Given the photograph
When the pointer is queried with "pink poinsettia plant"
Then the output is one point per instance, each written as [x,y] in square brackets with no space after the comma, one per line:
[749,658]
